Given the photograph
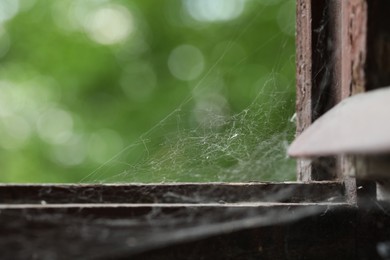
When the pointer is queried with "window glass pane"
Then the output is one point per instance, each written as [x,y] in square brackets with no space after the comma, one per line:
[146,91]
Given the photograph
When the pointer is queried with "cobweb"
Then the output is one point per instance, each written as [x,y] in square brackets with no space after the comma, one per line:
[205,140]
[249,145]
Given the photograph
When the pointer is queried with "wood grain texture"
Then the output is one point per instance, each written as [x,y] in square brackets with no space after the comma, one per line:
[305,231]
[331,60]
[303,78]
[129,232]
[188,193]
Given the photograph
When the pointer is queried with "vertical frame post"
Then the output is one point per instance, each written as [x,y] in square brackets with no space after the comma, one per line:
[303,78]
[331,59]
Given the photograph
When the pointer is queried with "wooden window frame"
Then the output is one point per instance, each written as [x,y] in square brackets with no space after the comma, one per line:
[97,221]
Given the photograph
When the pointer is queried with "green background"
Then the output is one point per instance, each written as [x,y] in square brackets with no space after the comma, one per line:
[82,81]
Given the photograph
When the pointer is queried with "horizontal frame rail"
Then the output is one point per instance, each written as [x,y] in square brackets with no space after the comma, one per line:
[107,232]
[221,193]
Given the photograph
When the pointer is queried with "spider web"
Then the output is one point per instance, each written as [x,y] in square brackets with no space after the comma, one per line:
[206,140]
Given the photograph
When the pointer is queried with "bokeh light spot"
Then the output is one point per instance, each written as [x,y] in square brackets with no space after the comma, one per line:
[15,132]
[215,10]
[5,42]
[55,126]
[6,98]
[26,5]
[104,144]
[8,9]
[70,153]
[186,62]
[109,24]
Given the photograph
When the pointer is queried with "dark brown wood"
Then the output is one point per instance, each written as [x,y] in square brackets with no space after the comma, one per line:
[109,232]
[318,74]
[172,193]
[353,80]
[350,50]
[303,78]
[320,237]
[378,44]
[316,220]
[272,231]
[330,236]
[104,222]
[354,51]
[331,55]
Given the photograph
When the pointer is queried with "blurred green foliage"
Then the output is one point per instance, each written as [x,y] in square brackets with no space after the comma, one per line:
[80,80]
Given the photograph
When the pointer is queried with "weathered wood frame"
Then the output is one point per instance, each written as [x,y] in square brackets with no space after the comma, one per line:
[356,61]
[95,221]
[327,74]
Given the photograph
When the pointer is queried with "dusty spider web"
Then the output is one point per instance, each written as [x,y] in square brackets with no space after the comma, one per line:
[220,145]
